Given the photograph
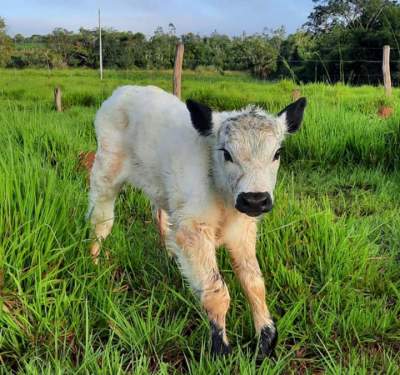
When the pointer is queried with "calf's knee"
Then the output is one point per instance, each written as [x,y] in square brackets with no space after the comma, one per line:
[215,299]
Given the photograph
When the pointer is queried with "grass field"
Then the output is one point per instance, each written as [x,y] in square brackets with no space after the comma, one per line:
[329,251]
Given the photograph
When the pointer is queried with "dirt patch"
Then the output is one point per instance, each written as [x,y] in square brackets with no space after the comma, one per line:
[296,94]
[385,112]
[86,160]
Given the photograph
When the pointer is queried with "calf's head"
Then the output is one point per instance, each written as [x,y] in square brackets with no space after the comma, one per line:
[246,148]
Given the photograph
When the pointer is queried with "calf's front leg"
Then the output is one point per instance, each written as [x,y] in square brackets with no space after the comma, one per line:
[242,248]
[194,245]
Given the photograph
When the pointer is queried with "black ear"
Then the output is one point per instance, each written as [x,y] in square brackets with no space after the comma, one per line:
[294,114]
[201,117]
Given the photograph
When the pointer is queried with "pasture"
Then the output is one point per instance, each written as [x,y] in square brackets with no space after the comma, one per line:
[329,251]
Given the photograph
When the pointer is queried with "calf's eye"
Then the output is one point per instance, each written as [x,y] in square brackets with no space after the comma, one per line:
[277,154]
[227,155]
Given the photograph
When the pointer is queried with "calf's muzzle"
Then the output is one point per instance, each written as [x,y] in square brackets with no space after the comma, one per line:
[254,204]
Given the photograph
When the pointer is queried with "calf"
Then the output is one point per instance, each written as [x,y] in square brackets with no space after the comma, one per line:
[209,175]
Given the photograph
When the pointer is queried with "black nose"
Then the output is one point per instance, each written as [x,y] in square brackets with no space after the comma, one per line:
[254,204]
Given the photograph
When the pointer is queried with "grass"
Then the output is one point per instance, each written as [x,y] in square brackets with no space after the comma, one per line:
[329,251]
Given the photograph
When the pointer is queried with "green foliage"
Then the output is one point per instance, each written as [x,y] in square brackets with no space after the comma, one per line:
[124,50]
[341,42]
[5,44]
[328,251]
[349,36]
[35,57]
[354,14]
[261,53]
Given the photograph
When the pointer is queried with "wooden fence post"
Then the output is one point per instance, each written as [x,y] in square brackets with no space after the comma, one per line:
[386,70]
[57,99]
[177,80]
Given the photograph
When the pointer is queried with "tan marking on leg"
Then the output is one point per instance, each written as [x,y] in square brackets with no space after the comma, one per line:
[193,235]
[95,251]
[241,243]
[216,300]
[161,218]
[196,255]
[100,232]
[115,167]
[252,283]
[162,224]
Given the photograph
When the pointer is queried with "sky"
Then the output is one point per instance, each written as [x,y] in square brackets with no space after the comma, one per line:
[230,17]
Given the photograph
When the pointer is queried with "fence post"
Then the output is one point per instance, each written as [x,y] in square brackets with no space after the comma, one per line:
[177,79]
[386,70]
[57,99]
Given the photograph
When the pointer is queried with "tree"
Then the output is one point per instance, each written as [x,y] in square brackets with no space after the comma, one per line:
[19,38]
[60,41]
[5,44]
[194,50]
[297,53]
[262,52]
[353,14]
[349,35]
[162,48]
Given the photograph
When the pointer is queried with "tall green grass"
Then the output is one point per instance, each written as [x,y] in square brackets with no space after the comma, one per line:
[329,251]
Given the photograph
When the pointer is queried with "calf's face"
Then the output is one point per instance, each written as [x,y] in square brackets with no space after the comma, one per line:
[246,151]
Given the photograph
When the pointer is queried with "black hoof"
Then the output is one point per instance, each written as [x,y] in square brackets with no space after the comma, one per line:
[268,340]
[218,346]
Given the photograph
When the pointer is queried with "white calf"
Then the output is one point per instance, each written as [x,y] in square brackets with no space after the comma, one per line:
[210,176]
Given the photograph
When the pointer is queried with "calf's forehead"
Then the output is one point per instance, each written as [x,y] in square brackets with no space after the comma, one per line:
[251,136]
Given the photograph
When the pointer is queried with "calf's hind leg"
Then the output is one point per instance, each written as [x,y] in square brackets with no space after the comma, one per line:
[193,244]
[106,181]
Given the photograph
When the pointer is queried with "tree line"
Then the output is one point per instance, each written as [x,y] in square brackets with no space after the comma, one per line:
[341,42]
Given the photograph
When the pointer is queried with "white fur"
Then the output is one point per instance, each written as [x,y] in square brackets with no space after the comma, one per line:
[165,157]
